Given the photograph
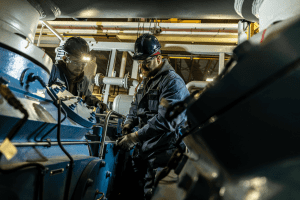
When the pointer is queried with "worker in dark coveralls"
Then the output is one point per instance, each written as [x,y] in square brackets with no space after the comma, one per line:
[69,71]
[156,136]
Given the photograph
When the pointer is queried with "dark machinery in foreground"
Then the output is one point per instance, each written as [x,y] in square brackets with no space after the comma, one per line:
[243,133]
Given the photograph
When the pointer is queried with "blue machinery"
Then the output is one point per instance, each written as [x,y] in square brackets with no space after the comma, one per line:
[51,147]
[242,135]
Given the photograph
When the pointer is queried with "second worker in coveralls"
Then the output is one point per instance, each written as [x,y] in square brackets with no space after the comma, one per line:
[156,136]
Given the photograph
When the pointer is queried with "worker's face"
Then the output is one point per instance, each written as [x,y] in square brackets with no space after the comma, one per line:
[149,65]
[75,65]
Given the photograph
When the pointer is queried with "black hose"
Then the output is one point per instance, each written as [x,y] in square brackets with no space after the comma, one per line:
[69,177]
[33,78]
[13,101]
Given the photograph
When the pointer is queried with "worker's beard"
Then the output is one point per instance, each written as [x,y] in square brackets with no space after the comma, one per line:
[150,71]
[74,70]
[145,70]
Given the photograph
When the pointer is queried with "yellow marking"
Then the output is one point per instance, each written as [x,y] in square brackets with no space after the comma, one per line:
[8,149]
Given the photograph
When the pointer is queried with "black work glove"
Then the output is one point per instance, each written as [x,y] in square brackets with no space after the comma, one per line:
[126,129]
[102,106]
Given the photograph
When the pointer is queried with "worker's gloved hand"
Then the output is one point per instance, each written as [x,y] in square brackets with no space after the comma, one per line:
[128,141]
[102,106]
[126,129]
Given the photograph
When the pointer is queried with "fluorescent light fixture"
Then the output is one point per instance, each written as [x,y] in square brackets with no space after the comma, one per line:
[209,79]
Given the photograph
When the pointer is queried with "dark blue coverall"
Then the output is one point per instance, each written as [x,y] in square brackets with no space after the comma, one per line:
[78,86]
[156,134]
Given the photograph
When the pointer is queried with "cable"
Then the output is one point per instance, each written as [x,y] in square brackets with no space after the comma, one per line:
[69,178]
[13,101]
[32,78]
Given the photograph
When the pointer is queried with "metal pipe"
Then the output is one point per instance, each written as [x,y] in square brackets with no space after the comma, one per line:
[198,84]
[122,25]
[25,144]
[121,82]
[242,36]
[135,67]
[113,57]
[104,115]
[88,32]
[53,30]
[40,36]
[105,130]
[221,62]
[123,64]
[135,83]
[113,81]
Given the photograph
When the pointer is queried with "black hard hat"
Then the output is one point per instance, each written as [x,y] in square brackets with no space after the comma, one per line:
[76,46]
[145,46]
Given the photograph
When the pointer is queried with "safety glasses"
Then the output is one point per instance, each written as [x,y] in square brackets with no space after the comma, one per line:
[76,61]
[146,61]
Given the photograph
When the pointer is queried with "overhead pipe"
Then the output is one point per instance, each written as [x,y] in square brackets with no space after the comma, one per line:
[123,64]
[122,25]
[88,32]
[53,30]
[40,36]
[198,84]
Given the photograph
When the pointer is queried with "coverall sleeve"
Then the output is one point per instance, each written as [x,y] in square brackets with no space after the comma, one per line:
[173,90]
[132,118]
[53,75]
[90,99]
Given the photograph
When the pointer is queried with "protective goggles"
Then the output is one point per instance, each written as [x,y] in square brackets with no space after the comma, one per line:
[147,61]
[84,60]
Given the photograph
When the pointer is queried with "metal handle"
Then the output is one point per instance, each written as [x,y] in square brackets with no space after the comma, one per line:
[105,130]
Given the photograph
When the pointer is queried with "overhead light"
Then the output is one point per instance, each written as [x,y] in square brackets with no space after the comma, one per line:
[141,75]
[209,79]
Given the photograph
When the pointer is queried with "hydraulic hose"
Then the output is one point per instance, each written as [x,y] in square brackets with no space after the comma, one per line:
[69,178]
[13,101]
[32,78]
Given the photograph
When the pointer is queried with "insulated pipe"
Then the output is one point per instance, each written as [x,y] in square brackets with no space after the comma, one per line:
[135,68]
[123,64]
[242,36]
[221,62]
[114,81]
[40,36]
[198,84]
[53,30]
[87,32]
[122,25]
[121,82]
[135,83]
